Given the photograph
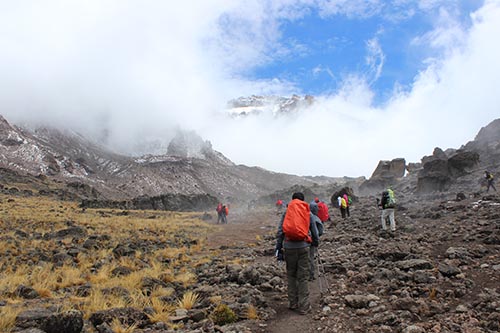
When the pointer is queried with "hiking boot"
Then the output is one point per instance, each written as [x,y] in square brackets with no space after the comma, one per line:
[305,311]
[293,306]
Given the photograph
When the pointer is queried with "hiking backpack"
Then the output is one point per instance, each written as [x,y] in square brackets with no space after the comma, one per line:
[391,200]
[343,203]
[296,221]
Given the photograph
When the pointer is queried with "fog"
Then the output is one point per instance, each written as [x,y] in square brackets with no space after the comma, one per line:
[127,71]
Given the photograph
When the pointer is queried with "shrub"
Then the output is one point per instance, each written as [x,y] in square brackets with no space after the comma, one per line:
[223,315]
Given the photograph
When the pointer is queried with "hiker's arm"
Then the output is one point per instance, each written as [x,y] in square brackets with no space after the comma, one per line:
[314,231]
[280,235]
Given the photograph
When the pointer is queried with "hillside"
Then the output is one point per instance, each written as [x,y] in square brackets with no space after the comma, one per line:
[189,167]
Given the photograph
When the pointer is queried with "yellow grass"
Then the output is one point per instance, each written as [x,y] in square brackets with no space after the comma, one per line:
[188,300]
[57,285]
[251,312]
[162,311]
[118,327]
[8,316]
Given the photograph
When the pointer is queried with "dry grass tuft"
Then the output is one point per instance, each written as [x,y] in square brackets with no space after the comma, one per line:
[118,327]
[8,316]
[188,300]
[252,312]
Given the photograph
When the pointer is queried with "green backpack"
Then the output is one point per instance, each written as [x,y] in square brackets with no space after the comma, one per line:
[391,200]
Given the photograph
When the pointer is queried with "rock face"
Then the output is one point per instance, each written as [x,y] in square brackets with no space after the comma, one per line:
[387,173]
[173,202]
[487,144]
[439,171]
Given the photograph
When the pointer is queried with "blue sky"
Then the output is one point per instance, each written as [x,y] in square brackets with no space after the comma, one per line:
[328,48]
[390,79]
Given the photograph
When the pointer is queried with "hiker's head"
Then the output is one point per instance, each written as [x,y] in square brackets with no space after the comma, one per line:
[314,208]
[298,195]
[316,199]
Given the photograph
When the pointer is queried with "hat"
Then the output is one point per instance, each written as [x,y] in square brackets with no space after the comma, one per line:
[316,199]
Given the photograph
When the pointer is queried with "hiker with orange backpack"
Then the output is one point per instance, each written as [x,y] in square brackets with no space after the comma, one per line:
[224,213]
[297,232]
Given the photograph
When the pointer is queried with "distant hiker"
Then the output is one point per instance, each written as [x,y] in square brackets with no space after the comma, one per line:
[314,207]
[279,206]
[224,213]
[322,210]
[296,234]
[346,198]
[220,218]
[489,181]
[342,205]
[388,203]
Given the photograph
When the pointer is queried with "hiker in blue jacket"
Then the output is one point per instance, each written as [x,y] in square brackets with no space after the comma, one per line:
[313,250]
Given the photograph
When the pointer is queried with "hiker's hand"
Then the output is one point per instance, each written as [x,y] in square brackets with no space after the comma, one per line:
[279,253]
[315,243]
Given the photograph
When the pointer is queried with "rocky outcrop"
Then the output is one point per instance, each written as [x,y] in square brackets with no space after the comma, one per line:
[387,173]
[439,171]
[172,202]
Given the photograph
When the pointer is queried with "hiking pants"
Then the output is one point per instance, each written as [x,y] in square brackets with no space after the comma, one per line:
[342,212]
[297,271]
[347,211]
[220,218]
[490,184]
[312,262]
[388,212]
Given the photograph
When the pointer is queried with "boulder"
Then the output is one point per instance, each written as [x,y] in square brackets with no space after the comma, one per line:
[386,174]
[49,322]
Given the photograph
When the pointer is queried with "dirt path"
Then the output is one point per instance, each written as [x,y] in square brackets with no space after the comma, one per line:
[241,231]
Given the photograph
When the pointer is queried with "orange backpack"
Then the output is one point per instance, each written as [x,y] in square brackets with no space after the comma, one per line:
[296,222]
[227,211]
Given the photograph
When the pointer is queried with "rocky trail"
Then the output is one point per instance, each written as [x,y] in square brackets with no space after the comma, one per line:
[439,272]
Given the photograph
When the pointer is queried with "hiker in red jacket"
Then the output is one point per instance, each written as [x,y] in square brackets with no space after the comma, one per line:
[322,210]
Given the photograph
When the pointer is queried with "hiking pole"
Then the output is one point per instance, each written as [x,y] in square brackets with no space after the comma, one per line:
[322,274]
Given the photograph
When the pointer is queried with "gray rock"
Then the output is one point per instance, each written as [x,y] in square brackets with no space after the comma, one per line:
[359,301]
[413,329]
[43,319]
[448,270]
[415,264]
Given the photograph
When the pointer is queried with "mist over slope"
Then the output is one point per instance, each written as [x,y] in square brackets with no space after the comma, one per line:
[189,167]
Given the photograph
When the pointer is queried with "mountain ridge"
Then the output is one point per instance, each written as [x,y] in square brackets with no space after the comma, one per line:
[70,157]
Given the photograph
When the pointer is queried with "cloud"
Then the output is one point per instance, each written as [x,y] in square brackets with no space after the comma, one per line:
[138,71]
[375,58]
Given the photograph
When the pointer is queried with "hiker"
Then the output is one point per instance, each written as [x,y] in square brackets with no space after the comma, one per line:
[224,213]
[346,198]
[489,181]
[388,203]
[279,206]
[220,218]
[314,207]
[342,205]
[322,210]
[296,234]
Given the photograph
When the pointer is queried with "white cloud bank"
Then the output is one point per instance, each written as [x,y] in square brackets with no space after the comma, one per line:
[143,68]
